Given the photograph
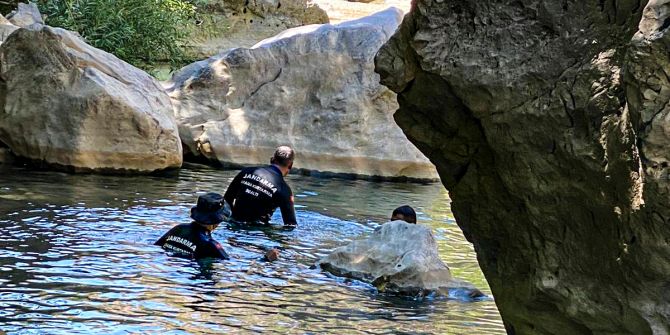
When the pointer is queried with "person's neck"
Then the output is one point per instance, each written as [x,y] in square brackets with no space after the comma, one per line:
[283,169]
[207,228]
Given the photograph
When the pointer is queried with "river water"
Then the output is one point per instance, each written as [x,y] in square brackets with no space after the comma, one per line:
[76,257]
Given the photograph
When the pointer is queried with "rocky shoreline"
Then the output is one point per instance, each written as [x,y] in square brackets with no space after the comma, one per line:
[311,87]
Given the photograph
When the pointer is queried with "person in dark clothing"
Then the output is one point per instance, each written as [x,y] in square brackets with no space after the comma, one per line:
[404,213]
[256,192]
[194,240]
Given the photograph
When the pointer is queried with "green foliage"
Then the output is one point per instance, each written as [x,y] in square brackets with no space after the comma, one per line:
[141,32]
[6,6]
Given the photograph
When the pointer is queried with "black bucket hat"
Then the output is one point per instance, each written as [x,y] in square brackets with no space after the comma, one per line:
[209,209]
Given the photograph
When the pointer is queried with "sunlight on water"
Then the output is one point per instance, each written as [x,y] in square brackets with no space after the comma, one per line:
[76,257]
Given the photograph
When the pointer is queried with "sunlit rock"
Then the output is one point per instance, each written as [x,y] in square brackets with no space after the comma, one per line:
[397,257]
[68,104]
[547,121]
[225,24]
[311,87]
[26,15]
[6,28]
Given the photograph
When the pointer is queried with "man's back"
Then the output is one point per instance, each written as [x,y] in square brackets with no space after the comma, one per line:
[256,192]
[192,241]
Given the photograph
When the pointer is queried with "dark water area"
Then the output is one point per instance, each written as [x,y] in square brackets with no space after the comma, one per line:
[76,257]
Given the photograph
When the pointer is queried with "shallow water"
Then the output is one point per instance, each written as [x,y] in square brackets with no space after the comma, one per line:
[76,257]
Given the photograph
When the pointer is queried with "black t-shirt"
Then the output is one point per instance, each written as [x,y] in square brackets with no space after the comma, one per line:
[192,241]
[256,192]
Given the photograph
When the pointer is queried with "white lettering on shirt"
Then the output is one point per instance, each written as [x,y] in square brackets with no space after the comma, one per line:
[183,241]
[261,180]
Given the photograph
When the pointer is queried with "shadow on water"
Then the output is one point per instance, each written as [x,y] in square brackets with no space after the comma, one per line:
[76,256]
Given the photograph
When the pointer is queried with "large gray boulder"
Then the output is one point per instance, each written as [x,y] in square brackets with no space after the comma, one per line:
[313,88]
[397,257]
[548,122]
[68,104]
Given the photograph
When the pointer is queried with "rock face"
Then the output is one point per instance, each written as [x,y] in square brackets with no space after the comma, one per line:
[226,24]
[6,28]
[549,124]
[6,156]
[397,257]
[69,104]
[313,88]
[26,15]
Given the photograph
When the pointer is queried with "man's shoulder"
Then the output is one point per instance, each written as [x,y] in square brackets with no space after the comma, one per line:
[180,229]
[252,169]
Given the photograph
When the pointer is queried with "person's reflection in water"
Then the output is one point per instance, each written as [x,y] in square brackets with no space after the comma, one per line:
[205,267]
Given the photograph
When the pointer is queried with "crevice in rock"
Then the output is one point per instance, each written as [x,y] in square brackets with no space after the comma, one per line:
[251,95]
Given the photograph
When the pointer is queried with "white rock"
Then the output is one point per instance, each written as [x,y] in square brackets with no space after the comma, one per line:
[398,256]
[26,16]
[313,88]
[69,104]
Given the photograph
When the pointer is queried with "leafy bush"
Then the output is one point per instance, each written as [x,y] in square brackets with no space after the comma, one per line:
[140,32]
[6,6]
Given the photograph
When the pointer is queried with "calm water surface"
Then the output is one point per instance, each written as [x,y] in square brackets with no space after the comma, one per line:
[76,257]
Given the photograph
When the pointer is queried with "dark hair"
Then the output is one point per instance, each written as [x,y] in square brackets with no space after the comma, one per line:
[408,213]
[283,156]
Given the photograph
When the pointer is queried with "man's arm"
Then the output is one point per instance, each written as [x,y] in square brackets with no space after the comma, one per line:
[214,250]
[233,189]
[287,208]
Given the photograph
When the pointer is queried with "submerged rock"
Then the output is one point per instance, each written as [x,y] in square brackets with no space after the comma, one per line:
[71,105]
[556,168]
[398,257]
[313,88]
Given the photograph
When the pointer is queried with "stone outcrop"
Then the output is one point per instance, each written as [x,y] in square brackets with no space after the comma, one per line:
[6,28]
[398,257]
[26,15]
[548,123]
[6,156]
[225,24]
[313,88]
[68,104]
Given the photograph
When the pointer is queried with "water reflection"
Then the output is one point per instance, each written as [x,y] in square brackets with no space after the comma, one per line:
[76,256]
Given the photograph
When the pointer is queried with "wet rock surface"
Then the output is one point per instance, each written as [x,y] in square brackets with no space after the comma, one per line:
[398,257]
[313,88]
[70,105]
[548,123]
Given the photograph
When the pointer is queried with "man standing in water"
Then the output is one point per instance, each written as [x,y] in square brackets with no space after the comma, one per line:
[256,192]
[194,240]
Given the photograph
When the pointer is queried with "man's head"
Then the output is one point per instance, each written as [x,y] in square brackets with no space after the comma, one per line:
[283,157]
[209,210]
[404,213]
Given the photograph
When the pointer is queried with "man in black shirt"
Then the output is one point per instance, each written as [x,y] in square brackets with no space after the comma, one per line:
[194,240]
[256,192]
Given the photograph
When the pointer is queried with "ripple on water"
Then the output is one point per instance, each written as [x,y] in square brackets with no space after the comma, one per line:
[76,257]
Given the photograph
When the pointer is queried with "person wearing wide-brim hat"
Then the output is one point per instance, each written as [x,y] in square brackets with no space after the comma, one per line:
[194,240]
